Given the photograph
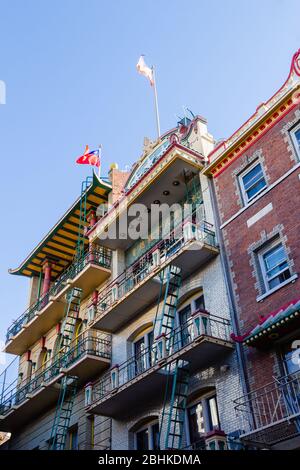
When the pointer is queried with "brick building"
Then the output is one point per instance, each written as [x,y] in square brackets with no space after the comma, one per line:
[256,176]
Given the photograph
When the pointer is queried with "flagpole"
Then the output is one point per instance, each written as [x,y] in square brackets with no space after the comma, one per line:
[156,102]
[99,156]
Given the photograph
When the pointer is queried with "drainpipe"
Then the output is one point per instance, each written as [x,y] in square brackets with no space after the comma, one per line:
[232,303]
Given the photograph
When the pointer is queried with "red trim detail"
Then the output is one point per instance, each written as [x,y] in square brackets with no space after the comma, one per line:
[295,67]
[256,140]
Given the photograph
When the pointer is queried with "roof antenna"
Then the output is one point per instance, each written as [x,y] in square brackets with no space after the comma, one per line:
[191,113]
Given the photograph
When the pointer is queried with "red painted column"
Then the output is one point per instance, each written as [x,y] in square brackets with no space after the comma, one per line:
[91,218]
[47,266]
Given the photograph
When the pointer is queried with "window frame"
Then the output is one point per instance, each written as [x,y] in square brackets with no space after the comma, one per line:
[295,142]
[261,254]
[245,198]
[206,411]
[149,427]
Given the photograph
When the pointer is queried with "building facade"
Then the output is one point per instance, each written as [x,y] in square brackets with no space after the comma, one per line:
[127,341]
[256,176]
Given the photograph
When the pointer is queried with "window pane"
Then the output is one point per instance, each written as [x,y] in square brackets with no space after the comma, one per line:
[142,440]
[199,303]
[253,181]
[276,266]
[279,279]
[290,359]
[254,189]
[184,314]
[155,436]
[213,411]
[196,422]
[140,359]
[275,261]
[297,135]
[252,176]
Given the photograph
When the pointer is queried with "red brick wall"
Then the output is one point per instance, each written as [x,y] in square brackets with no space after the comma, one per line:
[285,198]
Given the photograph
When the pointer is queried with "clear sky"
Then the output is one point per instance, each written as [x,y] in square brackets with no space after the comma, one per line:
[69,69]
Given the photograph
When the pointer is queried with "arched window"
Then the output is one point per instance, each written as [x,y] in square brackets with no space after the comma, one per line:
[146,434]
[78,330]
[203,416]
[185,311]
[42,361]
[141,344]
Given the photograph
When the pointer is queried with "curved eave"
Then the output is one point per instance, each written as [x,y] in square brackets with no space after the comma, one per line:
[60,242]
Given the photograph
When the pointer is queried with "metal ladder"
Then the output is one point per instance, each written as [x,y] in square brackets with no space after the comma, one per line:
[82,216]
[165,316]
[172,422]
[68,385]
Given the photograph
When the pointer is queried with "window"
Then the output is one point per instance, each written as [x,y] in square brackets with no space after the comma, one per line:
[199,303]
[274,265]
[202,417]
[143,357]
[295,133]
[290,358]
[147,437]
[73,438]
[252,181]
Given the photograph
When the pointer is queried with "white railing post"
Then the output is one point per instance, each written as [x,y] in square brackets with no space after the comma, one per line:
[88,394]
[114,377]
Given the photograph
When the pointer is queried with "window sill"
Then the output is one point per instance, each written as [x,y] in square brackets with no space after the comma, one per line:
[260,298]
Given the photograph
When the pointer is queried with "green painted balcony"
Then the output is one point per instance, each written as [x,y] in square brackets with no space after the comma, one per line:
[24,400]
[202,341]
[189,246]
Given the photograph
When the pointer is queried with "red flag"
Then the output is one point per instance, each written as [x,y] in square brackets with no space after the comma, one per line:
[90,157]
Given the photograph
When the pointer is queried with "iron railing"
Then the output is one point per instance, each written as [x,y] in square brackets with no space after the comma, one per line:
[157,255]
[99,256]
[271,405]
[202,324]
[90,342]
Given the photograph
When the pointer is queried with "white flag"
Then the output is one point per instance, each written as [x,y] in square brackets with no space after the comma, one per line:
[143,69]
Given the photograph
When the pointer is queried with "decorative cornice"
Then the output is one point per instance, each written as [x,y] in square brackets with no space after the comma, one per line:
[266,116]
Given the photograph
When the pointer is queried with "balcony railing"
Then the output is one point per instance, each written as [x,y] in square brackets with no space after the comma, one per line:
[201,324]
[273,405]
[100,257]
[158,254]
[89,343]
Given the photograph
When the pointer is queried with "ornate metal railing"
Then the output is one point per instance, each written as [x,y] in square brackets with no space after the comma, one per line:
[275,403]
[99,256]
[201,324]
[90,342]
[157,255]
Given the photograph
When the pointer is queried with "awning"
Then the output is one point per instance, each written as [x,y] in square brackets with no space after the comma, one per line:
[272,326]
[60,243]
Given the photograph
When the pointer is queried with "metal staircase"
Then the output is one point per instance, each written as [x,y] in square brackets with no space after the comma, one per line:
[165,315]
[68,385]
[63,413]
[172,422]
[82,216]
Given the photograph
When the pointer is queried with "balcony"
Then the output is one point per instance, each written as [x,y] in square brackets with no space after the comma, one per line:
[271,414]
[189,247]
[202,341]
[22,401]
[86,273]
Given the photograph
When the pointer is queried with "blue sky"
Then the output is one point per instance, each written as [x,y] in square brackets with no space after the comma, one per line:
[69,69]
